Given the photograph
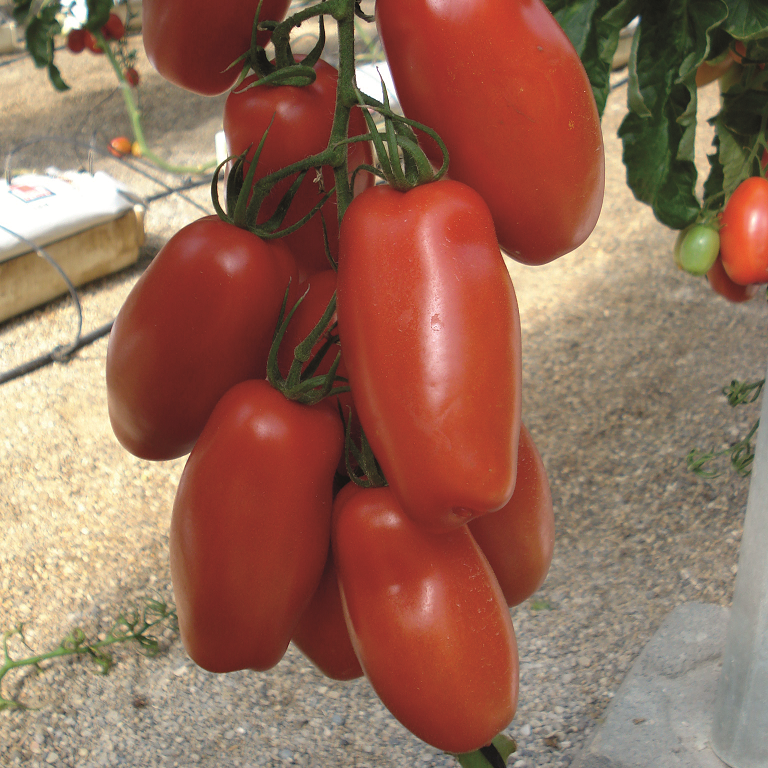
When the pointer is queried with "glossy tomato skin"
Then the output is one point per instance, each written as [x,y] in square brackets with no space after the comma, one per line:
[249,533]
[510,98]
[744,232]
[427,620]
[191,43]
[199,320]
[322,634]
[718,279]
[430,329]
[519,539]
[303,117]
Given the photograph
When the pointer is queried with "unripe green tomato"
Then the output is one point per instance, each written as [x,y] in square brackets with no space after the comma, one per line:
[696,248]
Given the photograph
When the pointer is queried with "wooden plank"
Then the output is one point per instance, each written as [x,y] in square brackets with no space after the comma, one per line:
[28,280]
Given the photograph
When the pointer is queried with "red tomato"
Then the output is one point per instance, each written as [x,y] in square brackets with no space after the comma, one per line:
[191,43]
[199,320]
[427,620]
[303,117]
[131,77]
[722,284]
[430,330]
[76,40]
[120,145]
[504,88]
[92,44]
[322,635]
[519,539]
[744,232]
[249,533]
[114,29]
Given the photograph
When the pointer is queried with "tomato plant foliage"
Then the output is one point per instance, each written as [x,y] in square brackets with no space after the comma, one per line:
[671,41]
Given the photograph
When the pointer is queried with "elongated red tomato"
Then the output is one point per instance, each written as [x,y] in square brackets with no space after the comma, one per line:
[519,539]
[744,233]
[301,119]
[430,330]
[192,43]
[249,533]
[199,320]
[322,634]
[718,278]
[504,88]
[428,622]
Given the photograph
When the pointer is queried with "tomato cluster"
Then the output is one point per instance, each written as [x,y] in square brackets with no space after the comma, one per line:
[732,251]
[79,39]
[730,243]
[342,363]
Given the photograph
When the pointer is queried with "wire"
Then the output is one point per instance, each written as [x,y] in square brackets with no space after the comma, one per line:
[63,353]
[61,350]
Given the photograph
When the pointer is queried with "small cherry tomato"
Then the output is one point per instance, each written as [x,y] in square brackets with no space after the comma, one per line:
[114,29]
[744,232]
[696,248]
[136,149]
[76,40]
[120,146]
[92,44]
[131,77]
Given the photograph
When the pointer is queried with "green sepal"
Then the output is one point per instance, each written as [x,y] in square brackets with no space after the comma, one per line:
[302,385]
[495,755]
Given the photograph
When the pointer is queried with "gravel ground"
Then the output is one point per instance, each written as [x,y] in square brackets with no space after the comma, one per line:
[624,358]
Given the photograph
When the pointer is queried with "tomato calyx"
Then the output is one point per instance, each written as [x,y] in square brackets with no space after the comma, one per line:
[362,467]
[494,754]
[244,196]
[396,139]
[301,383]
[285,70]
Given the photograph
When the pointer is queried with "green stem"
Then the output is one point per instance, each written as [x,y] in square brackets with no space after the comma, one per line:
[134,115]
[346,99]
[125,629]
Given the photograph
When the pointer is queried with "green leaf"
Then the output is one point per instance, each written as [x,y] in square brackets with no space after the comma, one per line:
[39,36]
[21,9]
[56,78]
[713,186]
[98,13]
[747,18]
[658,134]
[733,158]
[575,18]
[594,27]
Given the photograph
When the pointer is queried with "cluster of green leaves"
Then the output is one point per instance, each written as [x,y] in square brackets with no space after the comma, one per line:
[43,21]
[671,40]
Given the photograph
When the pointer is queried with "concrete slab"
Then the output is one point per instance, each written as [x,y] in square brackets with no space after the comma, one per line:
[662,714]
